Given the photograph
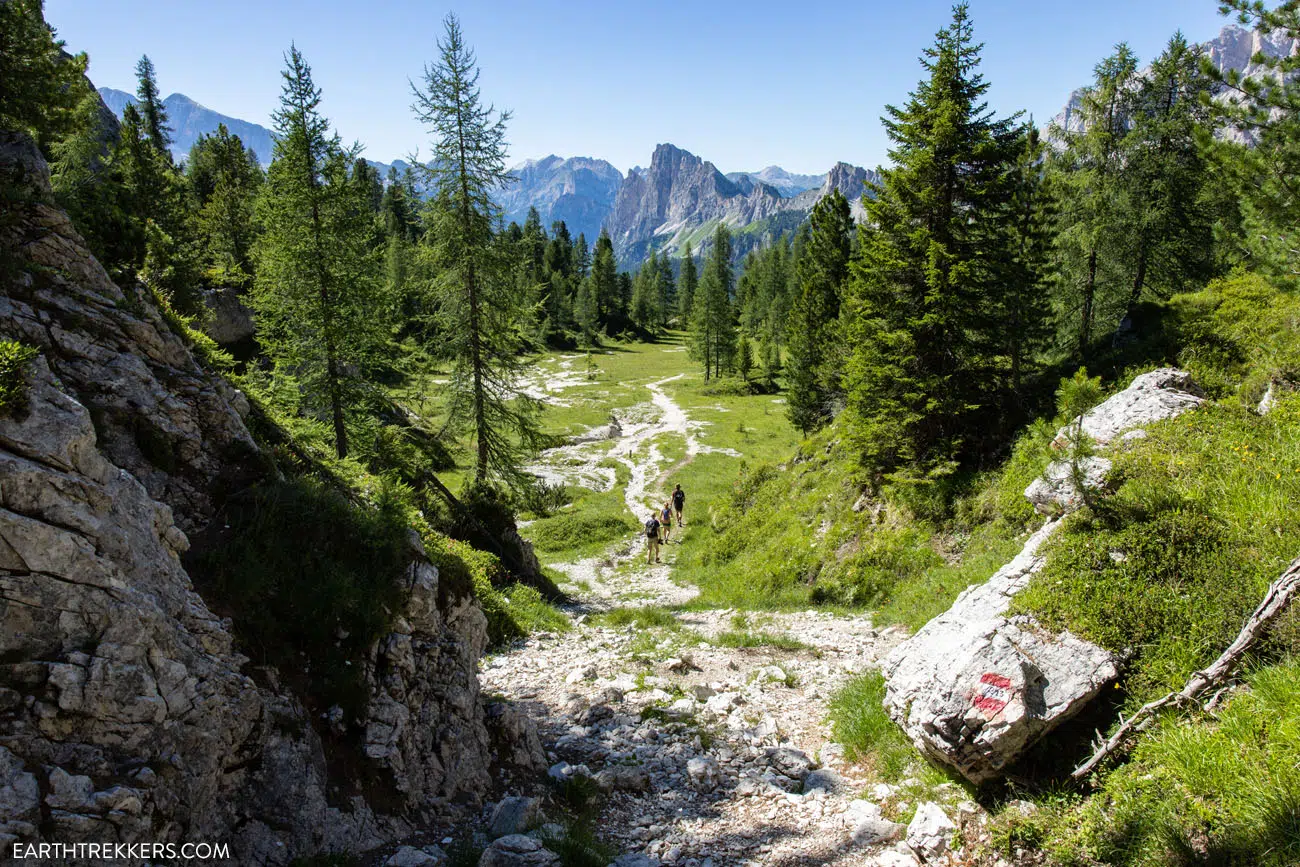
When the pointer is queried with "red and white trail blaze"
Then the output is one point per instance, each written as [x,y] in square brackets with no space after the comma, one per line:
[993,693]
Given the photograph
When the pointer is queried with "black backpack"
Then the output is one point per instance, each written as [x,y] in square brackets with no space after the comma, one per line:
[679,497]
[652,529]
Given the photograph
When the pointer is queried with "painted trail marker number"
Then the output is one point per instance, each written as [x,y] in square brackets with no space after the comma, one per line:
[993,693]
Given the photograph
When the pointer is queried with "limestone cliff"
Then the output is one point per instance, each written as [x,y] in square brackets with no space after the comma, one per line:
[127,712]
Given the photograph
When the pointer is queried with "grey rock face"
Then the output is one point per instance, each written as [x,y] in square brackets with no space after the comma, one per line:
[124,699]
[517,850]
[930,832]
[974,687]
[1161,394]
[230,319]
[513,815]
[580,191]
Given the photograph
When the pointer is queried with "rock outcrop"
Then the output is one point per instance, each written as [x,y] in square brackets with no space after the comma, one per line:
[1151,397]
[127,712]
[579,190]
[974,688]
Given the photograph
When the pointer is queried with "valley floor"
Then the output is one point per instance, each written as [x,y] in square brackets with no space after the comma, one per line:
[705,728]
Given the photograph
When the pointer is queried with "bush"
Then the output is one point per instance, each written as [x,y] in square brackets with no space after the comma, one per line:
[14,360]
[310,581]
[565,531]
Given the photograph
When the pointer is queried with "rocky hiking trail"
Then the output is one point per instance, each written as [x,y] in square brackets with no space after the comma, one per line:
[705,755]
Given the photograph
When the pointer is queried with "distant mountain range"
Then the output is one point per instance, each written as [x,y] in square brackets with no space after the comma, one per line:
[678,198]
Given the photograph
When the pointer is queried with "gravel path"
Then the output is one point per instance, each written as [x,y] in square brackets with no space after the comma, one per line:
[710,755]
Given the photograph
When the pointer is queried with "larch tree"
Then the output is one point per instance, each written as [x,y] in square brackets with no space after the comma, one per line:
[687,282]
[319,312]
[482,315]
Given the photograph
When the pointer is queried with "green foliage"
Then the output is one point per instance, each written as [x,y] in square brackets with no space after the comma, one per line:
[1170,565]
[859,721]
[40,88]
[1223,789]
[226,178]
[926,353]
[319,313]
[564,531]
[746,639]
[310,580]
[14,360]
[479,310]
[640,617]
[1075,397]
[813,369]
[713,339]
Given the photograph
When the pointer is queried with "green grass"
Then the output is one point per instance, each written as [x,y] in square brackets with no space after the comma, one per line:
[736,638]
[860,722]
[1168,567]
[646,617]
[14,360]
[1219,790]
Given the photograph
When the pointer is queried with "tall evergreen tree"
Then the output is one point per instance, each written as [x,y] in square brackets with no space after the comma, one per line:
[481,314]
[40,87]
[687,283]
[919,372]
[152,113]
[318,312]
[1089,241]
[713,331]
[225,178]
[813,369]
[605,289]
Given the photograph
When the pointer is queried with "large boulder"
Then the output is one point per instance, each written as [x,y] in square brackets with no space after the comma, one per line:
[1152,397]
[974,688]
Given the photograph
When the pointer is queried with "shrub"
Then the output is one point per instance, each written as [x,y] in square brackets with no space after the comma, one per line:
[564,531]
[14,360]
[310,581]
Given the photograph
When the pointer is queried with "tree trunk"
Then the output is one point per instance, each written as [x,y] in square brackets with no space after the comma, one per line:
[1089,291]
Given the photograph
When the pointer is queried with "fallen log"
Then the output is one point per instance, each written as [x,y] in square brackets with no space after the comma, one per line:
[1279,596]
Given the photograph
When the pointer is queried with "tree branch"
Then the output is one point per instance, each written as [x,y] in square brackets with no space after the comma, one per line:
[1279,596]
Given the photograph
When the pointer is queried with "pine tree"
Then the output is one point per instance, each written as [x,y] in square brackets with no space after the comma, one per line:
[687,282]
[919,371]
[713,334]
[319,316]
[581,257]
[744,356]
[40,87]
[152,113]
[225,178]
[813,371]
[605,290]
[482,316]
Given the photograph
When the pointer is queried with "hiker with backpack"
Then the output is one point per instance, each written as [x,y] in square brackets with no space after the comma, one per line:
[666,521]
[679,502]
[652,539]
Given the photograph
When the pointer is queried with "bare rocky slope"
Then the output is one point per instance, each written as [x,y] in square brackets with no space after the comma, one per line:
[127,712]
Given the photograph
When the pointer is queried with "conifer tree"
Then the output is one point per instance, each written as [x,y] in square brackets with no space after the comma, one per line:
[152,113]
[1089,240]
[713,335]
[225,178]
[40,87]
[581,257]
[319,315]
[605,289]
[482,315]
[687,282]
[813,370]
[919,289]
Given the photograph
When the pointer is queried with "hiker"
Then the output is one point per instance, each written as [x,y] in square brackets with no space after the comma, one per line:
[666,521]
[652,539]
[679,500]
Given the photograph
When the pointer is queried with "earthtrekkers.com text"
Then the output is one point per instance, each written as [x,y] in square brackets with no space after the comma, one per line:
[122,851]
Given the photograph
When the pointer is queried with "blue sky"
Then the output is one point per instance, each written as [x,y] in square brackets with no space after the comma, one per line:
[743,84]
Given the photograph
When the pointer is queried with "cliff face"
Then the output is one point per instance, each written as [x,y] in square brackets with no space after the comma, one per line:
[126,710]
[580,191]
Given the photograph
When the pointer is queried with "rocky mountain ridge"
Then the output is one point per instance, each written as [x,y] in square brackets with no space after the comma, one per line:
[1233,49]
[578,190]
